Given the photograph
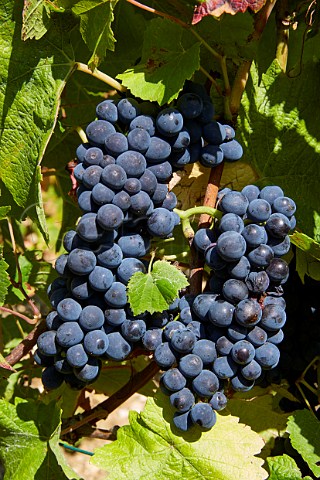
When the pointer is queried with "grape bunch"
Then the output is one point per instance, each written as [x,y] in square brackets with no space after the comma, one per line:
[229,335]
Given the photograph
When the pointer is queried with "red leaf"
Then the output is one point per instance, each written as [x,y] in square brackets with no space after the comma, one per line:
[218,7]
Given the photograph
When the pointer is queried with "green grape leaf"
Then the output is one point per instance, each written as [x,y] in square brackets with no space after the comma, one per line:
[4,211]
[307,265]
[5,368]
[283,467]
[169,57]
[29,441]
[95,26]
[4,281]
[261,412]
[304,432]
[35,19]
[286,109]
[129,32]
[152,449]
[32,77]
[307,244]
[155,291]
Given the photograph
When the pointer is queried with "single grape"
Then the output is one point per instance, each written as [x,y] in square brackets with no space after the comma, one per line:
[261,256]
[160,223]
[107,110]
[259,210]
[114,176]
[77,356]
[232,151]
[234,291]
[205,384]
[231,221]
[273,317]
[211,155]
[68,334]
[118,348]
[251,371]
[89,372]
[251,192]
[231,246]
[171,327]
[174,380]
[190,366]
[278,225]
[218,401]
[128,267]
[267,355]
[278,270]
[81,262]
[140,203]
[91,318]
[257,282]
[98,131]
[169,121]
[276,337]
[190,105]
[182,400]
[80,288]
[96,342]
[223,345]
[243,352]
[116,143]
[240,269]
[116,296]
[221,313]
[152,339]
[101,194]
[234,202]
[203,415]
[224,367]
[183,340]
[128,109]
[257,336]
[110,217]
[46,344]
[92,176]
[164,356]
[254,235]
[237,332]
[270,193]
[159,150]
[206,350]
[214,133]
[182,421]
[162,171]
[109,256]
[133,330]
[133,163]
[148,182]
[241,384]
[143,121]
[93,156]
[51,378]
[88,229]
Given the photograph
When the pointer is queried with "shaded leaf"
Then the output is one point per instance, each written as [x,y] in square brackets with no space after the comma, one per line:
[168,59]
[35,19]
[304,432]
[306,244]
[155,291]
[95,26]
[4,281]
[307,265]
[149,449]
[286,110]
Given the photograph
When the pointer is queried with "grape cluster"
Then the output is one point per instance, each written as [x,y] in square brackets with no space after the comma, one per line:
[230,334]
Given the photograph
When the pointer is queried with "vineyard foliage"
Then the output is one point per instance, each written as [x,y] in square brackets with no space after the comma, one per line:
[260,63]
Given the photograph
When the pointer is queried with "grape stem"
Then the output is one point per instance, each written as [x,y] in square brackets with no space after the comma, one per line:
[184,214]
[20,315]
[19,283]
[82,134]
[26,345]
[103,409]
[82,67]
